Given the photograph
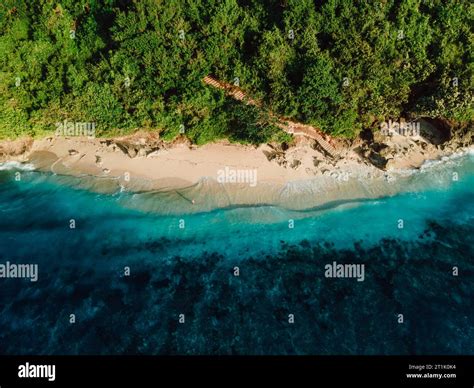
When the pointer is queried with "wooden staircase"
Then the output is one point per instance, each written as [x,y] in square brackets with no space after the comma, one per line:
[231,90]
[289,126]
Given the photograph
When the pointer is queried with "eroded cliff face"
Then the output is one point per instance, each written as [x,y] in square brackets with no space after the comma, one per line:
[15,148]
[436,138]
[433,139]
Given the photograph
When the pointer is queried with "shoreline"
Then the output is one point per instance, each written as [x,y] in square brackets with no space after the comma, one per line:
[187,177]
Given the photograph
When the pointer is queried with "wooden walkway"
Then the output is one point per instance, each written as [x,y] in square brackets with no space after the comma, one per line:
[231,90]
[289,126]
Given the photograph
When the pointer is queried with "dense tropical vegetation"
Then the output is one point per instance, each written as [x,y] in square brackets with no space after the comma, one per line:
[341,65]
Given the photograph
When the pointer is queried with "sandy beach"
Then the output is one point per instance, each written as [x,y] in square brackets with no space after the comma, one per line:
[223,174]
[181,164]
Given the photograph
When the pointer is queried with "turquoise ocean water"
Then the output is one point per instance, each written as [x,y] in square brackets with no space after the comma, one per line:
[186,264]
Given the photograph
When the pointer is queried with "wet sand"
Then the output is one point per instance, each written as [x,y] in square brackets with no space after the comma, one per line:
[187,179]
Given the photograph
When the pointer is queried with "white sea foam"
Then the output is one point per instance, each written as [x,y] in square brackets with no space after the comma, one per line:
[445,160]
[14,165]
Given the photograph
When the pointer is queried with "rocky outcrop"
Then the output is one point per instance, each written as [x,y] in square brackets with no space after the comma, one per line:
[295,164]
[436,131]
[462,136]
[16,147]
[142,144]
[367,153]
[436,137]
[139,144]
[277,154]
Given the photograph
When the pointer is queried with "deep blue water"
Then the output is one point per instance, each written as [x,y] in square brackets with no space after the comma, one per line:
[190,271]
